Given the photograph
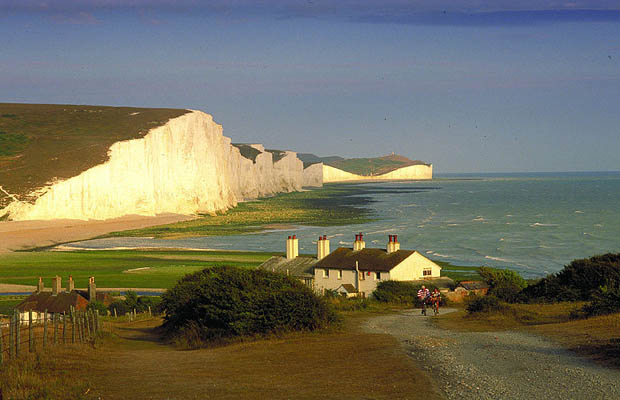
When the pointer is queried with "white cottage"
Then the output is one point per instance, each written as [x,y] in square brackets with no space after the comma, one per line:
[364,268]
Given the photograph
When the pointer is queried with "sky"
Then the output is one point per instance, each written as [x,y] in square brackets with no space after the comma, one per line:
[469,86]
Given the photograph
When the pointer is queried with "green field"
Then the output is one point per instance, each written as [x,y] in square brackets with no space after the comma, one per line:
[43,142]
[161,269]
[332,205]
[8,303]
[137,268]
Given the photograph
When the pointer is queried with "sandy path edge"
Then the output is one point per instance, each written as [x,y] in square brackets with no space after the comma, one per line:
[24,235]
[497,365]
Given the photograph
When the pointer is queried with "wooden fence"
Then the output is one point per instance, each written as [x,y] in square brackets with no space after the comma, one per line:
[19,336]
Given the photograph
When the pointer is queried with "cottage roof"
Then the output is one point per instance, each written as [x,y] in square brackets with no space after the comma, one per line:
[474,285]
[349,288]
[299,267]
[367,259]
[61,302]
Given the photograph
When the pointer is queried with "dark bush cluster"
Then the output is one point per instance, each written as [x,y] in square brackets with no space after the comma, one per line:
[580,280]
[227,302]
[133,302]
[504,284]
[606,301]
[401,292]
[477,304]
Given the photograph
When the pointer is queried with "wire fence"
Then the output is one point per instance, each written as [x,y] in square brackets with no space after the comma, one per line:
[26,332]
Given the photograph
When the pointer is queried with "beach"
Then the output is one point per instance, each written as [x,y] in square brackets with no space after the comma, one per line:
[23,235]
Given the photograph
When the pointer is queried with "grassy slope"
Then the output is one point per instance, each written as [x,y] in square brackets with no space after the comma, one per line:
[43,142]
[373,166]
[332,205]
[164,267]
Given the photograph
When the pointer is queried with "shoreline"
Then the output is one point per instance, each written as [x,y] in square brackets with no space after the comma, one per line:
[31,235]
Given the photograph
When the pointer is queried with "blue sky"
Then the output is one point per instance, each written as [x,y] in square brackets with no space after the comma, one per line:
[471,86]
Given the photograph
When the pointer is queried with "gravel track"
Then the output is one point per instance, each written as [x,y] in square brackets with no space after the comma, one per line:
[497,365]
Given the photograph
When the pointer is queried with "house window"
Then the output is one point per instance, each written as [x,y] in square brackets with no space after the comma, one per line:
[377,276]
[427,272]
[339,274]
[325,273]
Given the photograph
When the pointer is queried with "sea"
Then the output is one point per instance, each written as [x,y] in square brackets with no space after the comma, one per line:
[534,223]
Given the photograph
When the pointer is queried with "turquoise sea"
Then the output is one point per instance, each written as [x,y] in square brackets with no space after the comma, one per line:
[533,223]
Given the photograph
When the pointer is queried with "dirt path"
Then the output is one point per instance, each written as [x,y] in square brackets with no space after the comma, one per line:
[497,365]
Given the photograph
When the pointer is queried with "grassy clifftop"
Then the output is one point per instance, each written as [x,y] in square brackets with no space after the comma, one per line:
[362,166]
[40,143]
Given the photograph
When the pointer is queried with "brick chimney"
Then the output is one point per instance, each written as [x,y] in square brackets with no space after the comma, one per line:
[40,285]
[393,244]
[92,289]
[292,247]
[56,285]
[322,247]
[359,243]
[70,284]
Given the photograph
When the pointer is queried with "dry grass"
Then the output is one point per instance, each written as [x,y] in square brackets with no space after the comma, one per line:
[133,363]
[345,364]
[597,338]
[53,374]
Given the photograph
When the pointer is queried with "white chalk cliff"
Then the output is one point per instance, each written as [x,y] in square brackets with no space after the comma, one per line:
[411,172]
[185,166]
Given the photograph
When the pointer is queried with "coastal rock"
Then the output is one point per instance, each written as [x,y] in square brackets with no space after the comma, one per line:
[186,166]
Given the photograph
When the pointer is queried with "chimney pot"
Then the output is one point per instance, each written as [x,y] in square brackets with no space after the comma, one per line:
[320,238]
[294,236]
[395,238]
[289,236]
[324,237]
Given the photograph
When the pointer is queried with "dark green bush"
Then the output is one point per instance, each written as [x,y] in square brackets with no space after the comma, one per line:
[504,284]
[227,302]
[579,280]
[607,301]
[479,304]
[97,306]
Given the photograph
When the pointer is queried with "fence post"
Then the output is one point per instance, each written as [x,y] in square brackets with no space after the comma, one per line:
[87,320]
[64,328]
[12,337]
[73,322]
[1,347]
[150,315]
[30,337]
[45,329]
[18,334]
[55,318]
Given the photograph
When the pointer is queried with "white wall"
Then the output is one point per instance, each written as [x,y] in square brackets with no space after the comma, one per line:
[412,268]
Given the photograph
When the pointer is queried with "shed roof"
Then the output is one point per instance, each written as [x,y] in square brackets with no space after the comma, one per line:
[300,267]
[61,302]
[367,259]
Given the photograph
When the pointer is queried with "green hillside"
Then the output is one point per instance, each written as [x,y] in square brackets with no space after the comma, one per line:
[43,142]
[362,166]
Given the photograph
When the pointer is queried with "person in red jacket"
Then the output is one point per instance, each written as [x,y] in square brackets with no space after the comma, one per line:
[424,295]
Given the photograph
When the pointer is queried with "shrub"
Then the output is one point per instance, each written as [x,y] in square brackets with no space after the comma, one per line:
[479,304]
[504,284]
[97,306]
[396,292]
[607,301]
[226,302]
[579,280]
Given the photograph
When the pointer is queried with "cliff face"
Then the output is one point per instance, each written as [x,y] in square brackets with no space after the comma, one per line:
[185,166]
[415,172]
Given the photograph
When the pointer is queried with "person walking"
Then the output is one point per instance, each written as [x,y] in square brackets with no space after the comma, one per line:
[435,300]
[424,294]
